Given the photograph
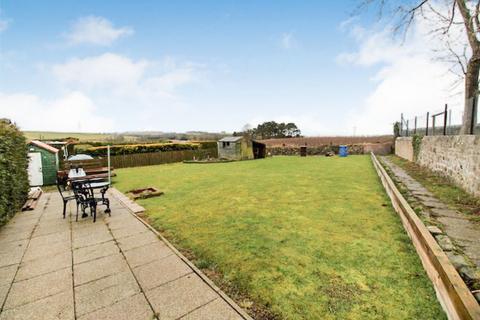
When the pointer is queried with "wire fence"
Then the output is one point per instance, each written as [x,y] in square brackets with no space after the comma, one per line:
[445,121]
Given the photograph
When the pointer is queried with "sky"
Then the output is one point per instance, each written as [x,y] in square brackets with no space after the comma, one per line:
[115,66]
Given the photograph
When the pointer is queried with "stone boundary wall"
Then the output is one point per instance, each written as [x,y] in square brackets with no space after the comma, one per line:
[366,148]
[455,157]
[404,148]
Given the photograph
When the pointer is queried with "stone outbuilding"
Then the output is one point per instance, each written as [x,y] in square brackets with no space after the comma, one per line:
[240,148]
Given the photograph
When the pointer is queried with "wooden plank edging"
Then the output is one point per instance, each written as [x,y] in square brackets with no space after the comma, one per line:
[454,296]
[121,197]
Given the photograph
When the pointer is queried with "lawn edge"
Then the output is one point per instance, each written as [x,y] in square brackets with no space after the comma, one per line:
[452,293]
[134,209]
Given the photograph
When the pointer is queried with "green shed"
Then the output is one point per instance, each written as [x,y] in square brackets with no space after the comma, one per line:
[43,163]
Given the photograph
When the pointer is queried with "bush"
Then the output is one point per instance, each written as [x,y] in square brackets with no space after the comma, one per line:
[13,170]
[139,148]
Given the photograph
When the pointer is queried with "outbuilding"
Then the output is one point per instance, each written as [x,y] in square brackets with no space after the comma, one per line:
[240,148]
[43,164]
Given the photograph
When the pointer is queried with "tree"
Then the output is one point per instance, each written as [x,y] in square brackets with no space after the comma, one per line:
[461,15]
[271,129]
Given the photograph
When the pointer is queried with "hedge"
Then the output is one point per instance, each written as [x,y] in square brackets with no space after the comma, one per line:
[13,170]
[138,148]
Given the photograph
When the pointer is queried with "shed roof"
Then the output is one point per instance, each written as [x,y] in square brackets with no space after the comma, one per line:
[230,139]
[43,145]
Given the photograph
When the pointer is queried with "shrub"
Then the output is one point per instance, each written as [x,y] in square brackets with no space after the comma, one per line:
[139,148]
[13,170]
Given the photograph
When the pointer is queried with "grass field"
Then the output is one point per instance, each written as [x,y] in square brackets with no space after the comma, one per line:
[46,135]
[305,238]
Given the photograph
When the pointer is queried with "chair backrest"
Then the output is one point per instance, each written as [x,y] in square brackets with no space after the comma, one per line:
[61,186]
[77,172]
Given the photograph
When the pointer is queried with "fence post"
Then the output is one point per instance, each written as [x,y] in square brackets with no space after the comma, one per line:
[433,125]
[415,128]
[445,120]
[426,129]
[407,128]
[474,114]
[109,173]
[401,125]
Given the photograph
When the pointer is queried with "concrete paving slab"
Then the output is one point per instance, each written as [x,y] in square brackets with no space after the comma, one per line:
[83,254]
[99,268]
[37,250]
[32,268]
[161,271]
[30,290]
[131,228]
[137,240]
[3,293]
[14,236]
[18,245]
[177,298]
[7,274]
[131,308]
[92,239]
[148,253]
[10,258]
[218,309]
[55,307]
[104,292]
[48,239]
[116,260]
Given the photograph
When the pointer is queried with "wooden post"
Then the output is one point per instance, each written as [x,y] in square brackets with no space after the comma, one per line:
[109,173]
[426,130]
[415,128]
[407,128]
[401,125]
[474,114]
[445,120]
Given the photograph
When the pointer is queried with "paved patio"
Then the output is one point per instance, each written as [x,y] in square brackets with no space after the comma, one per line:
[116,268]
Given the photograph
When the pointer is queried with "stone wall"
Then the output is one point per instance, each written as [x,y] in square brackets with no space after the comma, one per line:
[404,148]
[455,157]
[366,148]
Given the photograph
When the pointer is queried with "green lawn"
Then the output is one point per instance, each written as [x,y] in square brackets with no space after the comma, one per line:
[306,238]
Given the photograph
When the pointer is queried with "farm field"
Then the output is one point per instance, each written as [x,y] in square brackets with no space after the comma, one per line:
[321,141]
[46,135]
[302,238]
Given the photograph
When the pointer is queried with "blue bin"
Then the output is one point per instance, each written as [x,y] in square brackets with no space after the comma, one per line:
[342,151]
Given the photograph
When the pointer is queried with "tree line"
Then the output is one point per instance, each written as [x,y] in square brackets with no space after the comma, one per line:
[271,130]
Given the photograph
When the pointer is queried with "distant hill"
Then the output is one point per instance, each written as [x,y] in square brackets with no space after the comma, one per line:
[133,136]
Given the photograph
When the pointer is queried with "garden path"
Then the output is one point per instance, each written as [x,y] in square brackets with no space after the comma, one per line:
[116,268]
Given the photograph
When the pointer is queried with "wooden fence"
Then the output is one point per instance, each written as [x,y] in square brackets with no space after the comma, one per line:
[153,158]
[148,159]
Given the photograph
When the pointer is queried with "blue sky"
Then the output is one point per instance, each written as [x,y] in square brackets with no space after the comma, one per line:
[203,65]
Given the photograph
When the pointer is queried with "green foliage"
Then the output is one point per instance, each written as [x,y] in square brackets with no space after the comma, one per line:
[207,144]
[271,129]
[13,170]
[138,148]
[416,144]
[309,237]
[396,129]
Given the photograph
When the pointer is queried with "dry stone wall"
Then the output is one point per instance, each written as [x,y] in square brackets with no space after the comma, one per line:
[455,157]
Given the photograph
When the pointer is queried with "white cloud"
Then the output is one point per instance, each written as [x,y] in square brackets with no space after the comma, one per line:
[287,40]
[4,24]
[92,91]
[411,79]
[95,30]
[72,112]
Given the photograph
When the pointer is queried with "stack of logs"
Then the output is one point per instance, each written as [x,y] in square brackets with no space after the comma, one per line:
[32,200]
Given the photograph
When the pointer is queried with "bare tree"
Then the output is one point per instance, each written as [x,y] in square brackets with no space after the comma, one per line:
[461,14]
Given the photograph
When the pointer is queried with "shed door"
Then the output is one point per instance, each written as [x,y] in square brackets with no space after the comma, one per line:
[35,174]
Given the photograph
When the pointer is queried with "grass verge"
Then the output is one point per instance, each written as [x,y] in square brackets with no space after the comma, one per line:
[442,188]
